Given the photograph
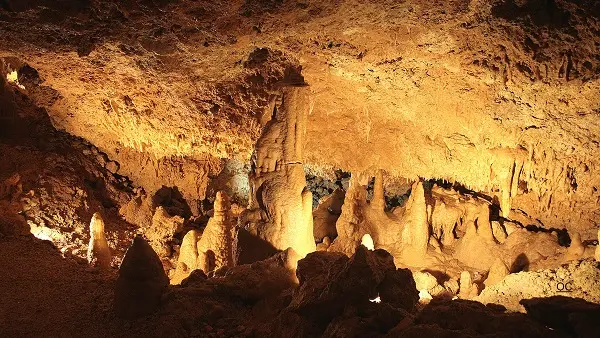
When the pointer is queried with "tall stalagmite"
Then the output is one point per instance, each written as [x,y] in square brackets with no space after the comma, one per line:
[141,281]
[415,231]
[280,206]
[98,251]
[215,247]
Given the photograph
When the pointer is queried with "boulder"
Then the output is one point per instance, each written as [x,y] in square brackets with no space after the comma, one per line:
[352,284]
[141,281]
[398,288]
[574,316]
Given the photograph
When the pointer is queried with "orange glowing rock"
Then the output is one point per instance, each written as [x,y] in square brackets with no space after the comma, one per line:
[280,207]
[497,272]
[215,247]
[98,250]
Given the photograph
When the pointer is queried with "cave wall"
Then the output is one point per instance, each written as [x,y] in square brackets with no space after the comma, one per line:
[500,96]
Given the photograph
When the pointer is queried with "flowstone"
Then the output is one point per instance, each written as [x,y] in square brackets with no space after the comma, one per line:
[280,206]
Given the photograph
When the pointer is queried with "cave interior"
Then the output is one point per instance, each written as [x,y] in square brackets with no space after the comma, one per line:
[299,168]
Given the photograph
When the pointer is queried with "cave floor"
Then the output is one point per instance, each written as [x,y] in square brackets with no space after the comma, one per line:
[45,295]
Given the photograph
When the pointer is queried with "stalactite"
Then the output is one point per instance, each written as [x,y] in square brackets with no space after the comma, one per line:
[378,201]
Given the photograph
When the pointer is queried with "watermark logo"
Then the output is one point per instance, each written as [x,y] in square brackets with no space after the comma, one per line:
[563,286]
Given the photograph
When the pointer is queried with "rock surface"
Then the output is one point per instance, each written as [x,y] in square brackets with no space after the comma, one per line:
[141,281]
[98,253]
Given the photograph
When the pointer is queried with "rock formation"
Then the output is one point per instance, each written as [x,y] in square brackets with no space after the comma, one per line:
[326,214]
[212,249]
[497,272]
[98,253]
[188,256]
[597,252]
[406,238]
[216,246]
[576,248]
[280,206]
[330,283]
[477,248]
[467,289]
[415,229]
[141,281]
[162,230]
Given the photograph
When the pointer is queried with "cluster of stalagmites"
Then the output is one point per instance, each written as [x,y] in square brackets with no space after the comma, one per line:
[212,249]
[328,295]
[437,231]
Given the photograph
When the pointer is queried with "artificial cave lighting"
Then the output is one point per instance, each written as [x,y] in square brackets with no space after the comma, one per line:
[13,78]
[299,168]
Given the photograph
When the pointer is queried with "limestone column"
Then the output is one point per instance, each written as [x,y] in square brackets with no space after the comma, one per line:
[280,208]
[98,251]
[215,247]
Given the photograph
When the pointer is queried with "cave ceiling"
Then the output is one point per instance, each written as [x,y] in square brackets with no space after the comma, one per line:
[495,95]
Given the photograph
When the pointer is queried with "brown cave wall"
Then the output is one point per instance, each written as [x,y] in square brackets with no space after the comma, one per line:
[461,91]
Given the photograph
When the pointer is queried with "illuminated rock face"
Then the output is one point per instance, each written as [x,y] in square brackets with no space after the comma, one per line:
[162,230]
[406,238]
[98,251]
[211,249]
[280,206]
[497,272]
[215,247]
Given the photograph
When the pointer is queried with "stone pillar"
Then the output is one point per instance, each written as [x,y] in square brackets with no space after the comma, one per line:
[98,251]
[280,206]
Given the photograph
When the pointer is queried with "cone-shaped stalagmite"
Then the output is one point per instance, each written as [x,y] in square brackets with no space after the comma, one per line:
[576,248]
[98,251]
[280,208]
[215,247]
[415,232]
[497,272]
[141,281]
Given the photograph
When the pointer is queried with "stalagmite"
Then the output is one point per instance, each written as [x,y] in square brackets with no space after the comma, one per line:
[215,247]
[415,232]
[467,288]
[280,208]
[477,248]
[351,226]
[497,272]
[141,281]
[188,253]
[576,249]
[98,250]
[188,257]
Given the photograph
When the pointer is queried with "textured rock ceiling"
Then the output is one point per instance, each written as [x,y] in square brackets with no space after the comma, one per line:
[467,91]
